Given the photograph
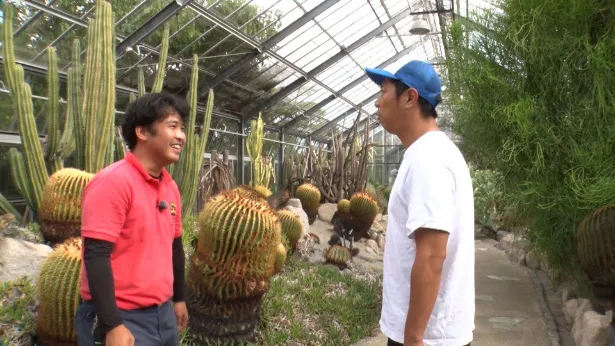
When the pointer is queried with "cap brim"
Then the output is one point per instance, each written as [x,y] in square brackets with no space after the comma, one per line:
[378,76]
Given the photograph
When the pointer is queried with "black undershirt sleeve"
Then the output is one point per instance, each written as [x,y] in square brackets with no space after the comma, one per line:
[179,282]
[97,262]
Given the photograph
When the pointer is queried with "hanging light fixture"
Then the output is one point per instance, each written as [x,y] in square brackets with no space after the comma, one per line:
[419,26]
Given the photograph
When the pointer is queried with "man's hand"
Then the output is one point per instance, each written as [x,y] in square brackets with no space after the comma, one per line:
[119,336]
[181,313]
[414,343]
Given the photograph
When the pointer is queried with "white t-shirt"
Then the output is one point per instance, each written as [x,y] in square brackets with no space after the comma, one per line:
[433,189]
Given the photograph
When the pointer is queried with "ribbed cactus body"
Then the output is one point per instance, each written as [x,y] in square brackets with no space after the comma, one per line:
[309,195]
[363,211]
[230,269]
[343,206]
[291,226]
[58,293]
[248,192]
[338,255]
[596,250]
[60,211]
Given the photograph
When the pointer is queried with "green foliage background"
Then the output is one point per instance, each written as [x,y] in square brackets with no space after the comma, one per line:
[534,88]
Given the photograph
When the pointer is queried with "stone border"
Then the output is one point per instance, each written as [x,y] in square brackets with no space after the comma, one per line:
[544,288]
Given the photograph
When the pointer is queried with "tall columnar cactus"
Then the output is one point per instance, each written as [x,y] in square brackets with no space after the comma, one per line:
[58,292]
[60,211]
[230,269]
[292,226]
[596,250]
[186,171]
[363,208]
[309,195]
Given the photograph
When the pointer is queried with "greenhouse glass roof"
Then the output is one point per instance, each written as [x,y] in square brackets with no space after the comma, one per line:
[297,62]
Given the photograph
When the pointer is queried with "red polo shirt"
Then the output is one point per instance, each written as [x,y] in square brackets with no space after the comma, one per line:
[120,205]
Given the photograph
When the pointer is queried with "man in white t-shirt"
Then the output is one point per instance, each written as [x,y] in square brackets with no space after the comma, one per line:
[428,289]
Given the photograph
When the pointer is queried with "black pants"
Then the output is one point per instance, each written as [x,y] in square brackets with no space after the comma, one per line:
[155,326]
[395,343]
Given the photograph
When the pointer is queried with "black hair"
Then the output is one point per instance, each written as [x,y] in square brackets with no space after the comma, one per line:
[427,109]
[148,109]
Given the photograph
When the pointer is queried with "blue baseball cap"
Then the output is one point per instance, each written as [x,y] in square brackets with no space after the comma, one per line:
[415,74]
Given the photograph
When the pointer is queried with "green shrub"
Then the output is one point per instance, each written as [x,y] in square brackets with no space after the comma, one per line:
[17,305]
[532,93]
[488,192]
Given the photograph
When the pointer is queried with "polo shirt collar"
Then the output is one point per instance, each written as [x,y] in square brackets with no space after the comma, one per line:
[132,159]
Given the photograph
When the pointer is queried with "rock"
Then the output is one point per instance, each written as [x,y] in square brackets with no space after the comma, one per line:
[373,245]
[369,250]
[577,328]
[507,241]
[384,219]
[377,227]
[380,241]
[295,203]
[21,258]
[378,217]
[592,329]
[500,235]
[326,211]
[570,310]
[532,260]
[302,215]
[568,294]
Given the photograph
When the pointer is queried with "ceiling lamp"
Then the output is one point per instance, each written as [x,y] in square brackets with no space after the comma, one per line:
[419,26]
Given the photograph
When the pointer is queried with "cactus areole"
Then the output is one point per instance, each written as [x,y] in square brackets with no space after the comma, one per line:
[238,251]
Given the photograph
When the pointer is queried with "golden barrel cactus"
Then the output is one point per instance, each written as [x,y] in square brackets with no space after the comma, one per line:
[596,250]
[338,255]
[58,293]
[280,258]
[60,212]
[230,269]
[248,192]
[343,206]
[309,195]
[291,226]
[363,210]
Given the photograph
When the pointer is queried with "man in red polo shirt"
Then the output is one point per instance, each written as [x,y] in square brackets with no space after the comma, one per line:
[133,286]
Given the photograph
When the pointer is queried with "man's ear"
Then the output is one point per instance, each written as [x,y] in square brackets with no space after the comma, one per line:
[141,133]
[409,98]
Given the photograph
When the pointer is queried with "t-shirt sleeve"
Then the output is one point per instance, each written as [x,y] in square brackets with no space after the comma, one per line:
[104,207]
[431,197]
[178,217]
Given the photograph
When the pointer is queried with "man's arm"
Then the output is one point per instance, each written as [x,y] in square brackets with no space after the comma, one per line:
[430,221]
[425,277]
[97,262]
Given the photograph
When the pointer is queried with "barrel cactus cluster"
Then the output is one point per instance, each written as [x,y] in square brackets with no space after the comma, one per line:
[239,249]
[58,293]
[596,250]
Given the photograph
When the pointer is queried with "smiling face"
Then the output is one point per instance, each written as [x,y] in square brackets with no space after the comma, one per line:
[395,113]
[164,140]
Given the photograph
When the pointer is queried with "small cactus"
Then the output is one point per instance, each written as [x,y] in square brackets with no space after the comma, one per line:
[363,210]
[263,191]
[58,293]
[291,226]
[595,250]
[280,259]
[309,195]
[248,192]
[343,206]
[60,211]
[338,255]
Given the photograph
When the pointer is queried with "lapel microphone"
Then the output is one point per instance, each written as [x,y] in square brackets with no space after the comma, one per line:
[162,205]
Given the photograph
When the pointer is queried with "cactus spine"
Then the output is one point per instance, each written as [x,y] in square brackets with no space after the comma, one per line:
[186,171]
[230,269]
[60,212]
[58,293]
